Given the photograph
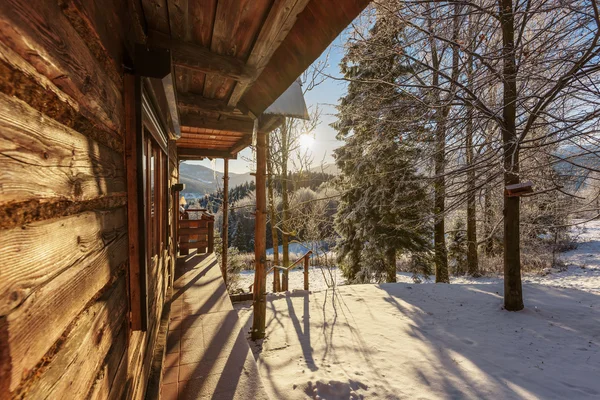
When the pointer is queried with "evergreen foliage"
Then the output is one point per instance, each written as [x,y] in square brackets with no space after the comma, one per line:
[384,203]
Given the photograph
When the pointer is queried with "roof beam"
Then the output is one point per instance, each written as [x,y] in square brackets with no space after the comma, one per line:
[278,24]
[198,102]
[191,154]
[268,123]
[241,145]
[229,124]
[198,58]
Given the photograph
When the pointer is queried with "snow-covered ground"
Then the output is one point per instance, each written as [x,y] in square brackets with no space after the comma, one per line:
[582,270]
[437,341]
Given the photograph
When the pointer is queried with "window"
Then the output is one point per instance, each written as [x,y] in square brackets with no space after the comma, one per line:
[147,173]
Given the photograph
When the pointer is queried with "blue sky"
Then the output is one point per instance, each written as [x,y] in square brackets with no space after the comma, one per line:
[326,95]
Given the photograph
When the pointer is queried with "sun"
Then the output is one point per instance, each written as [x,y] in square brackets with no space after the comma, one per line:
[306,141]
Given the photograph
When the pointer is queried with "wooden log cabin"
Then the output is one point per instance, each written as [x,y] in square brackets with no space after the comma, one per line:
[99,102]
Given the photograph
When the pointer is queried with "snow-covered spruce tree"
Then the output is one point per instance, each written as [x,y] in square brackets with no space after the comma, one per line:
[384,204]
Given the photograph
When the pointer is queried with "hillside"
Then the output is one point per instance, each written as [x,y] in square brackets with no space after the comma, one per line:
[203,180]
[329,168]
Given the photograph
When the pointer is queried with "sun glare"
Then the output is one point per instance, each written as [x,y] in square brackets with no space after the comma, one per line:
[306,141]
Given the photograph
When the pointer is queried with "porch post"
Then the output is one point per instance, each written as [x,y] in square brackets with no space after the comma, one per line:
[260,239]
[225,229]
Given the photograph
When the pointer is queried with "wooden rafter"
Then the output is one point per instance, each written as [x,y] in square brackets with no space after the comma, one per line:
[279,22]
[198,58]
[203,137]
[191,154]
[230,124]
[241,145]
[197,102]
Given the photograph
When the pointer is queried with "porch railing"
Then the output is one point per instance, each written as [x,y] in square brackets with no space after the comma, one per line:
[196,231]
[281,285]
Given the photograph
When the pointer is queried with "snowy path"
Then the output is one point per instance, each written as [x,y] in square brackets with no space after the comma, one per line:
[428,341]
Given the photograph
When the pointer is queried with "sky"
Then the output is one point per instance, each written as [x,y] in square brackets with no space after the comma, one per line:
[326,96]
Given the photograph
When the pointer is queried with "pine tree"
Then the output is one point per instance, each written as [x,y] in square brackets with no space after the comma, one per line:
[383,202]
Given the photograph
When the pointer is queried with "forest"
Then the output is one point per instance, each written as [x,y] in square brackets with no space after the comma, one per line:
[469,145]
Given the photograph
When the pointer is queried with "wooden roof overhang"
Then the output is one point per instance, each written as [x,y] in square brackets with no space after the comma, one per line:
[232,58]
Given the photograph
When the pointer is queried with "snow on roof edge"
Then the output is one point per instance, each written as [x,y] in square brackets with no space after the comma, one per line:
[291,103]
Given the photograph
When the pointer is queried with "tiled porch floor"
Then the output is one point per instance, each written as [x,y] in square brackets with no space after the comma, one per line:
[207,353]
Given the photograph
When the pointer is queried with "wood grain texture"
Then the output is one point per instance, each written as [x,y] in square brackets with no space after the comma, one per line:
[44,160]
[38,31]
[156,14]
[201,59]
[132,147]
[237,23]
[110,372]
[230,124]
[41,318]
[316,27]
[280,20]
[23,270]
[74,368]
[19,79]
[89,24]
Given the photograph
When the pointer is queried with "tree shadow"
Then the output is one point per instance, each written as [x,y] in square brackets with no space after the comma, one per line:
[490,355]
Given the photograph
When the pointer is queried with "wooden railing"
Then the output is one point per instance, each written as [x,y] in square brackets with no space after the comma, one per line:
[196,231]
[284,283]
[281,285]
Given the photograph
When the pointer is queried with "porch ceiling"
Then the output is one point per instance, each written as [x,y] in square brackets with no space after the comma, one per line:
[233,58]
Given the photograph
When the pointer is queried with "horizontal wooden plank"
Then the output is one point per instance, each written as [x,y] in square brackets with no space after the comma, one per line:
[111,374]
[191,154]
[229,124]
[198,58]
[199,137]
[119,384]
[92,23]
[39,321]
[197,101]
[193,231]
[36,253]
[42,159]
[39,32]
[19,79]
[193,223]
[73,370]
[210,132]
[193,245]
[23,213]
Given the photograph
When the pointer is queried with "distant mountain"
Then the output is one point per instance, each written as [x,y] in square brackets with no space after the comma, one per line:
[202,180]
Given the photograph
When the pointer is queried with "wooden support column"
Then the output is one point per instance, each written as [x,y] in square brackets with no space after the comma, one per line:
[225,229]
[260,239]
[306,265]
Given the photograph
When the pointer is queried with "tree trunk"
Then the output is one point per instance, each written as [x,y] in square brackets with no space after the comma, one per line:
[390,260]
[443,108]
[273,215]
[260,240]
[225,229]
[489,220]
[439,230]
[285,204]
[513,294]
[472,261]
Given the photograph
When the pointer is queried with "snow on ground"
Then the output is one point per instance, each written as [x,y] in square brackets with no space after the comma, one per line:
[582,270]
[437,341]
[396,341]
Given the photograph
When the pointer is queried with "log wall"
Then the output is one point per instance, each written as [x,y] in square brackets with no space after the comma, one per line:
[64,284]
